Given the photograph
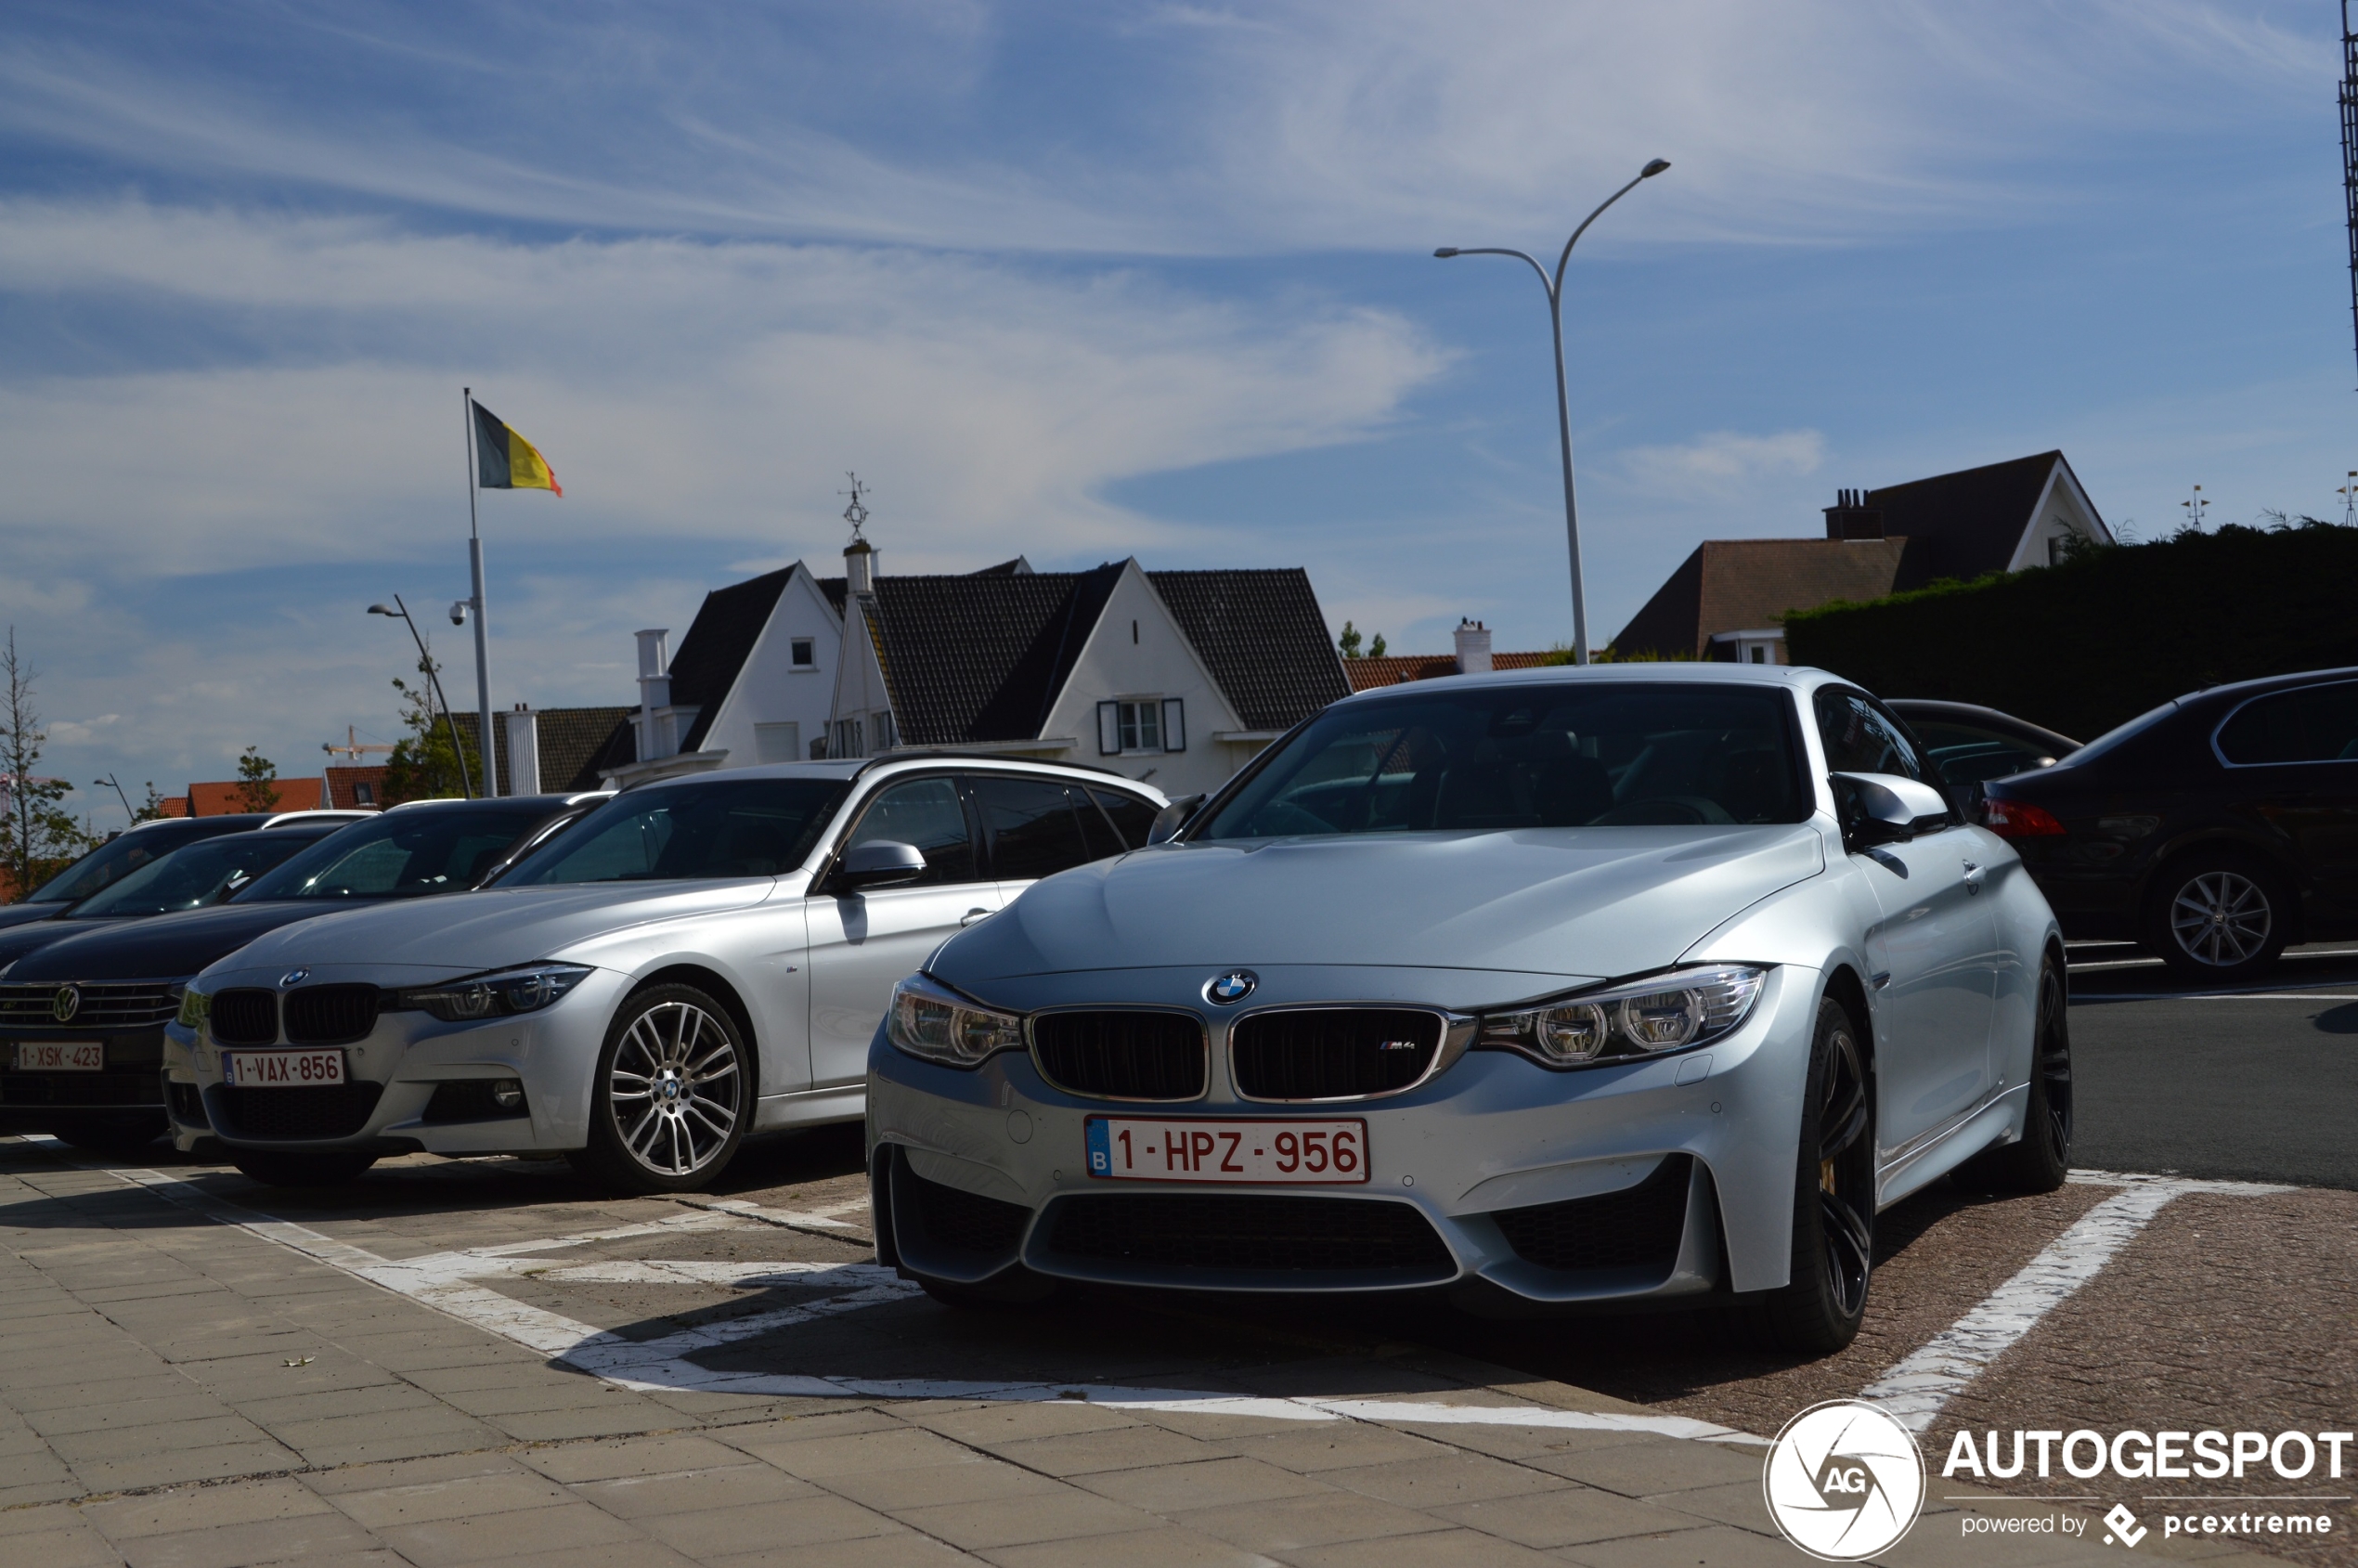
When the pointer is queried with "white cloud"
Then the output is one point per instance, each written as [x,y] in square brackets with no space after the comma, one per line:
[1724,465]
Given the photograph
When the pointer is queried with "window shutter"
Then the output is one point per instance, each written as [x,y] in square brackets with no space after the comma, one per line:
[1108,729]
[1174,724]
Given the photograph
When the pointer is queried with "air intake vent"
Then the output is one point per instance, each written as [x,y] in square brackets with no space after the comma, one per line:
[1121,1055]
[246,1016]
[1638,1227]
[1332,1053]
[330,1014]
[1230,1233]
[325,1110]
[959,1221]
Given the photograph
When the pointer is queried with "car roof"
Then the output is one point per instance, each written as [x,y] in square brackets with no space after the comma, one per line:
[1688,673]
[2261,685]
[846,770]
[1994,718]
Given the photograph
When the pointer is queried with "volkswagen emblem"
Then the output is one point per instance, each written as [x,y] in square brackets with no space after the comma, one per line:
[1228,990]
[65,1005]
[293,978]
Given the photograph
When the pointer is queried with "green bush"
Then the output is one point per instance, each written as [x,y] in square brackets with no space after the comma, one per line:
[2085,645]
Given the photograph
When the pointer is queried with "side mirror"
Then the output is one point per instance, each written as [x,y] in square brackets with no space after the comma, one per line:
[881,863]
[1171,818]
[1885,807]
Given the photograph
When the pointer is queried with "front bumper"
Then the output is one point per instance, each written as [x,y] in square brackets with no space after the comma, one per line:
[411,1083]
[1477,1166]
[128,1085]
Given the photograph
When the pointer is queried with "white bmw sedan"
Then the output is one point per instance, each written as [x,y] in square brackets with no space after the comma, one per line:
[697,960]
[1629,985]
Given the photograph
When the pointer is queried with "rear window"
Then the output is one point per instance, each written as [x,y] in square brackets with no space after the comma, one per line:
[693,829]
[201,873]
[2308,724]
[110,863]
[1561,754]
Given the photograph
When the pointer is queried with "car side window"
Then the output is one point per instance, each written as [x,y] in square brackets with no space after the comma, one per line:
[1034,828]
[927,813]
[2308,724]
[1968,753]
[1130,816]
[1861,738]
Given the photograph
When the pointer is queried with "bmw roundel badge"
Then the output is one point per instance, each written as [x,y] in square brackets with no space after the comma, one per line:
[65,1005]
[293,978]
[1231,987]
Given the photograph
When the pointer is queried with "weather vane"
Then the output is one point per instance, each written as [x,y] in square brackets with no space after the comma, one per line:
[856,514]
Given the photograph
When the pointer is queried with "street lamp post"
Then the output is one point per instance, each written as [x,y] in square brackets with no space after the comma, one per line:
[1555,286]
[425,661]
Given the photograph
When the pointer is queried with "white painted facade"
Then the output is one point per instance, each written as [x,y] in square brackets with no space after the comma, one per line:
[783,695]
[2063,511]
[1138,655]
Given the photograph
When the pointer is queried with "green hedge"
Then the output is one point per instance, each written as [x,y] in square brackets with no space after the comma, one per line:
[2085,645]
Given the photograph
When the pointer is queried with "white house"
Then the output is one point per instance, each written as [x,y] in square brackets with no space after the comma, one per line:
[1173,677]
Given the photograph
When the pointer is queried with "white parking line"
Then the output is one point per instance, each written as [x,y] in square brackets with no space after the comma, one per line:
[1916,1389]
[445,1282]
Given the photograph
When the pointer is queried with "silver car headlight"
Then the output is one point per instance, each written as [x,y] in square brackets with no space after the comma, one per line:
[1642,1019]
[930,1022]
[474,997]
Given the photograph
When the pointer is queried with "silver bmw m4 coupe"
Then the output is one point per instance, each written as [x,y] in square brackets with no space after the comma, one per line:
[1621,986]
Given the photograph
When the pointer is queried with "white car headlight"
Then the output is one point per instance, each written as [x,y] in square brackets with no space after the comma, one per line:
[1643,1017]
[930,1022]
[195,1007]
[526,989]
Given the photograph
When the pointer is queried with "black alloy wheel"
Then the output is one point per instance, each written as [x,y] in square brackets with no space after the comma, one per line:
[2218,918]
[2040,1160]
[674,1094]
[1820,1310]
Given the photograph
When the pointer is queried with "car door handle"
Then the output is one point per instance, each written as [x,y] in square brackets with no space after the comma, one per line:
[970,917]
[1972,877]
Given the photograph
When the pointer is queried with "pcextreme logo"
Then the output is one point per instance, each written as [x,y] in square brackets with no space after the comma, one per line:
[1844,1480]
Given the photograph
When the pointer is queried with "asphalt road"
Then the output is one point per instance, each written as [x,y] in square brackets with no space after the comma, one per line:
[2256,1084]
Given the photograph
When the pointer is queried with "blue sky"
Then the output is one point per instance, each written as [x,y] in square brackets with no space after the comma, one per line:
[1083,281]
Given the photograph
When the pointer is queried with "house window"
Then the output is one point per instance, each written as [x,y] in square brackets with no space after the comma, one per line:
[1129,725]
[805,652]
[1759,654]
[847,740]
[364,795]
[1141,725]
[887,734]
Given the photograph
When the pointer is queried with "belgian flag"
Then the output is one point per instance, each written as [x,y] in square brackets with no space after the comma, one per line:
[505,461]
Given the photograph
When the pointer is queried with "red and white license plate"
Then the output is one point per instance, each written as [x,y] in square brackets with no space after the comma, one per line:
[1266,1153]
[281,1069]
[61,1056]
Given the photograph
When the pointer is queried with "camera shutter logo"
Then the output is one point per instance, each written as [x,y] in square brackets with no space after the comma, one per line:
[1844,1480]
[66,1003]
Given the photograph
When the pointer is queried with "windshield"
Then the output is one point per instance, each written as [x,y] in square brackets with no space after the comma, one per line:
[201,873]
[707,827]
[110,863]
[1562,754]
[404,854]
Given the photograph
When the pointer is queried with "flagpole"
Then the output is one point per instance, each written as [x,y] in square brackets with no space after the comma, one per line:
[482,657]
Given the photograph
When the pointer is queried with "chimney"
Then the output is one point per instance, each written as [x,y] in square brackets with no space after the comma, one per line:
[523,730]
[656,739]
[1851,518]
[1474,648]
[860,567]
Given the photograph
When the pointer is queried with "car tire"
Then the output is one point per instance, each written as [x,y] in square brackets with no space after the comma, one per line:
[2218,917]
[684,1127]
[293,1168]
[113,1135]
[1819,1309]
[2040,1159]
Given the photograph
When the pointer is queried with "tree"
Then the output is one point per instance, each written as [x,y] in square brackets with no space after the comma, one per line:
[1349,640]
[150,808]
[423,765]
[37,839]
[257,782]
[1375,649]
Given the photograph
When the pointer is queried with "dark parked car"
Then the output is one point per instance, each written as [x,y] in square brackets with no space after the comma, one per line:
[139,845]
[2214,830]
[1971,745]
[81,1018]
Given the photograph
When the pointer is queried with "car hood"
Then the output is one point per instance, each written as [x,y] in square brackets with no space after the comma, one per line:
[17,914]
[467,933]
[157,946]
[33,935]
[1579,903]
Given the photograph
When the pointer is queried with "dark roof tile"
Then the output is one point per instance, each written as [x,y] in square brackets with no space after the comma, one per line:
[1263,638]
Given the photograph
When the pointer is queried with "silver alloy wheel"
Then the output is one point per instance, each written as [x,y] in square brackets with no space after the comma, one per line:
[2221,918]
[675,1089]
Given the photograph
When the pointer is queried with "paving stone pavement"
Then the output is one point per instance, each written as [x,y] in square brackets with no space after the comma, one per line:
[178,1392]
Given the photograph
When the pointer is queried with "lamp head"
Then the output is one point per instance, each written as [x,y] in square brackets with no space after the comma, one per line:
[1445,251]
[1653,168]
